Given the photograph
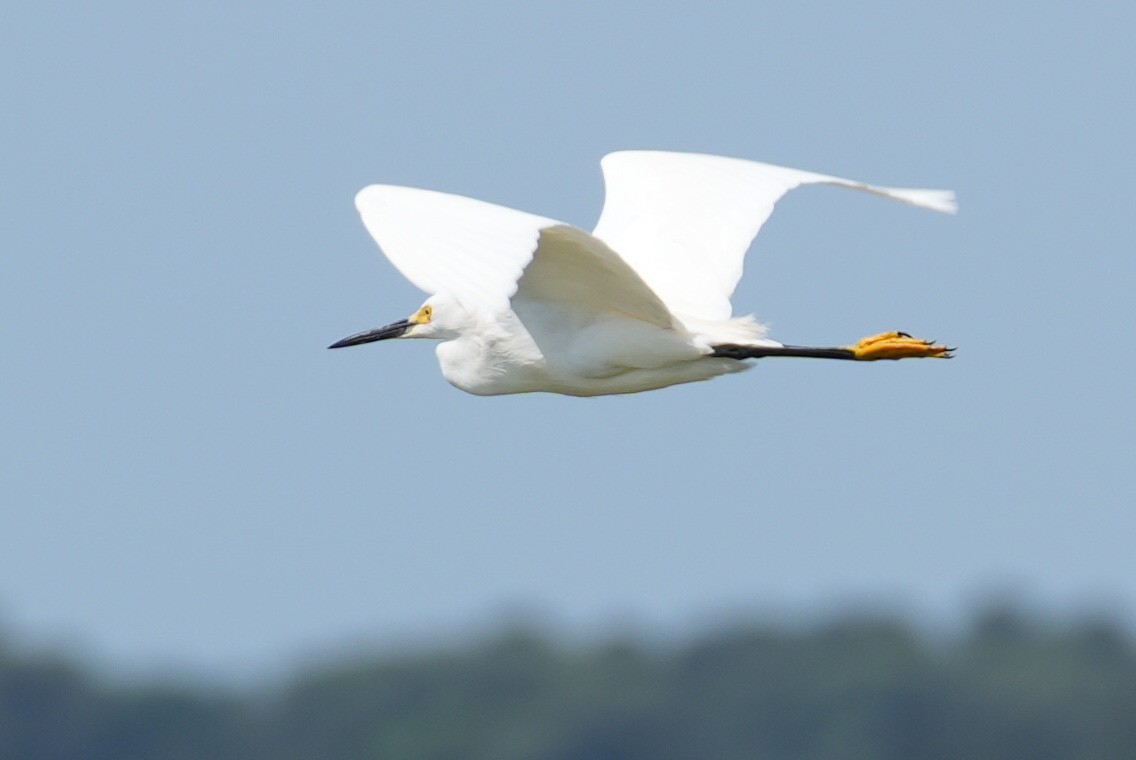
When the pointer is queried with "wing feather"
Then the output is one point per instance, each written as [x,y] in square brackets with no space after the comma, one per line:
[574,269]
[684,221]
[469,249]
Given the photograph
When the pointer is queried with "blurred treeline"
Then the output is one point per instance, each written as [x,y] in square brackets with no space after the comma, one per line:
[1012,686]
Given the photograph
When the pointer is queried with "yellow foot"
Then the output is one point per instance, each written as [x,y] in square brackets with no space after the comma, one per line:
[898,345]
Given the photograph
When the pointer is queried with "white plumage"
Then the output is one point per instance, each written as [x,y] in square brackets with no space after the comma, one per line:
[528,303]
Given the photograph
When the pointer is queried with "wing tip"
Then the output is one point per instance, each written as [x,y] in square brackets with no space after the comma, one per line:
[943,201]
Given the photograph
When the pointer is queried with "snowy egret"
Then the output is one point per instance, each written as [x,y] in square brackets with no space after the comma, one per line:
[525,303]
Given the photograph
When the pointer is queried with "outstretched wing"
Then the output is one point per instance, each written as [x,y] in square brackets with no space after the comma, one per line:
[684,221]
[477,252]
[466,248]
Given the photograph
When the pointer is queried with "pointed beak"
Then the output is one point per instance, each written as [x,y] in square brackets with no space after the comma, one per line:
[393,330]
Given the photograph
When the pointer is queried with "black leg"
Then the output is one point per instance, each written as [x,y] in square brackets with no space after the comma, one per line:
[736,351]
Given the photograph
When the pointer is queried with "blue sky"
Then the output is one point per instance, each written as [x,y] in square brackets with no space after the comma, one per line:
[191,480]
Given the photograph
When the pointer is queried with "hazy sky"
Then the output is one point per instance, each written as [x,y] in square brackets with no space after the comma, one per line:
[189,477]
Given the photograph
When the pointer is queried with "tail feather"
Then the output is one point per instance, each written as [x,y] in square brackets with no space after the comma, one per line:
[736,330]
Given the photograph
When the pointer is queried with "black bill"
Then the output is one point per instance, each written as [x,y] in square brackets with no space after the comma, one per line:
[393,330]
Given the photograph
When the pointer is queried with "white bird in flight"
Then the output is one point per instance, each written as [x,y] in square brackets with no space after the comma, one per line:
[525,303]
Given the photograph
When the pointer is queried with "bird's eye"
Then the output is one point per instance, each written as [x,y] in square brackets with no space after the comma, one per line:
[427,313]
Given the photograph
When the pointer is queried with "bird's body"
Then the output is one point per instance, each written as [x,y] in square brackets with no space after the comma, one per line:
[573,354]
[524,303]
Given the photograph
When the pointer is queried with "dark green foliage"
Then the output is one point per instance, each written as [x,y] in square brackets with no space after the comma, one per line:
[857,688]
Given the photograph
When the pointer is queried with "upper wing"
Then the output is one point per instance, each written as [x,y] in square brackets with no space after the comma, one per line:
[684,221]
[469,249]
[477,252]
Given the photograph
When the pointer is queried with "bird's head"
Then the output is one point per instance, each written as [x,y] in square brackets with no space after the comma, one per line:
[440,318]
